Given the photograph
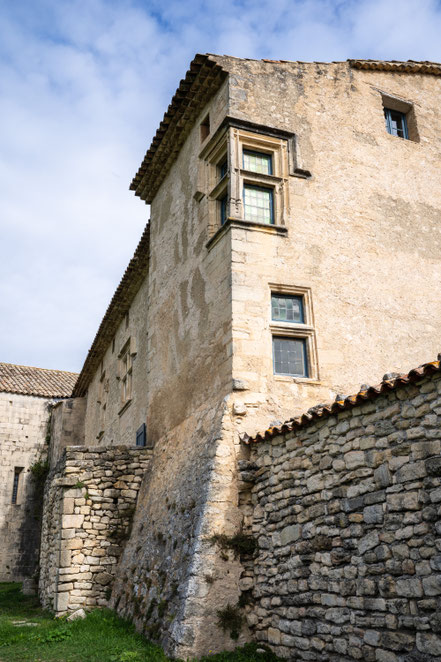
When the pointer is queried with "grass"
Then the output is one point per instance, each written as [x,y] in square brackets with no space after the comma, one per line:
[101,637]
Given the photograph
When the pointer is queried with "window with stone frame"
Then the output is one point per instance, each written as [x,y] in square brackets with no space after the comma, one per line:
[399,117]
[125,373]
[103,390]
[246,174]
[16,487]
[294,351]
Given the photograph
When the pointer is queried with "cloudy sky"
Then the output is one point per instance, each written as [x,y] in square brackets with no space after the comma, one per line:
[83,86]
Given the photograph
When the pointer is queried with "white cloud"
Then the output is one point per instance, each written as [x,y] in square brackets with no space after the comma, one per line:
[83,86]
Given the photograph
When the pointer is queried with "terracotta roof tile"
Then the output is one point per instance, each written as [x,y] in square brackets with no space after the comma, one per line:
[36,381]
[389,383]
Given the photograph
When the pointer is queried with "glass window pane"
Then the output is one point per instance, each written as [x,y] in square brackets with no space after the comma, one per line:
[287,308]
[257,162]
[258,204]
[289,355]
[396,123]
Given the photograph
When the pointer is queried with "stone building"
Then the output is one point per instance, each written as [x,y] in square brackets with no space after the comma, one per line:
[26,396]
[292,254]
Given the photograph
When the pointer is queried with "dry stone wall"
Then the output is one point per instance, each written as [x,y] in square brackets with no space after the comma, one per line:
[346,513]
[89,503]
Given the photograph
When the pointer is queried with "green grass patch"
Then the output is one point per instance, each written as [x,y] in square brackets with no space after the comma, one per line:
[30,634]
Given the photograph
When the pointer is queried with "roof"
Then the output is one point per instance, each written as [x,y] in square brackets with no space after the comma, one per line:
[26,380]
[204,77]
[118,307]
[201,81]
[409,67]
[389,383]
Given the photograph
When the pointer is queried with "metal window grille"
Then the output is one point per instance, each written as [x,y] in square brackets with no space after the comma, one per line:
[286,308]
[257,162]
[15,485]
[290,357]
[396,123]
[258,204]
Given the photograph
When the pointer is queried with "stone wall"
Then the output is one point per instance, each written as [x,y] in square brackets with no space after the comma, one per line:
[346,513]
[67,427]
[89,503]
[23,431]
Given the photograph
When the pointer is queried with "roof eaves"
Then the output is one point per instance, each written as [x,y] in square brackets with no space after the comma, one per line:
[119,305]
[324,410]
[202,80]
[410,67]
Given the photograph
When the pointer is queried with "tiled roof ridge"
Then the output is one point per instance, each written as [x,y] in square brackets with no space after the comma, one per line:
[30,380]
[119,305]
[426,66]
[390,382]
[202,79]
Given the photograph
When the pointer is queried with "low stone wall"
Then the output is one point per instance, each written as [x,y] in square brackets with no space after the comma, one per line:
[89,503]
[346,513]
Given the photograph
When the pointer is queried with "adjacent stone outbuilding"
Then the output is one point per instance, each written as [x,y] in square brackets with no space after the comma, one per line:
[26,396]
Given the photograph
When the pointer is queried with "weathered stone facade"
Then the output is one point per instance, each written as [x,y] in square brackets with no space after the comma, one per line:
[345,510]
[183,360]
[89,504]
[26,398]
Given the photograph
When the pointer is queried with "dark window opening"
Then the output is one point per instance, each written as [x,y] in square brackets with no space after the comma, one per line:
[223,202]
[141,435]
[17,472]
[396,123]
[205,128]
[290,357]
[223,167]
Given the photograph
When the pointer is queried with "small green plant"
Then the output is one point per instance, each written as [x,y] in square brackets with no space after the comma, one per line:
[86,495]
[79,484]
[230,620]
[240,543]
[39,470]
[58,634]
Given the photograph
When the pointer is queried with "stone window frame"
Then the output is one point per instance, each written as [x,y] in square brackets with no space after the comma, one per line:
[221,173]
[391,102]
[302,330]
[231,146]
[125,373]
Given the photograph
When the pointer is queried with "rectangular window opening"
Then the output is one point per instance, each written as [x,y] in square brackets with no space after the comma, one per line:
[258,204]
[396,123]
[257,162]
[141,435]
[223,168]
[287,308]
[15,484]
[223,205]
[290,356]
[205,128]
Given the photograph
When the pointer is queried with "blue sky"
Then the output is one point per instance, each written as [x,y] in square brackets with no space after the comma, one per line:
[83,86]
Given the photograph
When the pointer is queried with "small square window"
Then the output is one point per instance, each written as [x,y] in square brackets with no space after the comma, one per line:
[285,308]
[396,123]
[257,162]
[290,357]
[258,204]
